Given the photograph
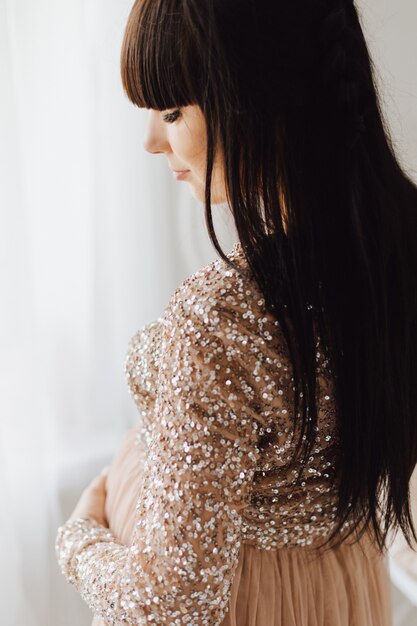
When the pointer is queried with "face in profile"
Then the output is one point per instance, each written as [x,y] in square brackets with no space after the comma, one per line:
[180,134]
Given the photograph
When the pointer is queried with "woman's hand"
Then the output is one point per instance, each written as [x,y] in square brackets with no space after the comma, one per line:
[93,500]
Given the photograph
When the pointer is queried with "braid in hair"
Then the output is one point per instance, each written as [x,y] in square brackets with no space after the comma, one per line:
[339,74]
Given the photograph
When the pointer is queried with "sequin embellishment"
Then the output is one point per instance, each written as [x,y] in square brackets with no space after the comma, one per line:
[211,377]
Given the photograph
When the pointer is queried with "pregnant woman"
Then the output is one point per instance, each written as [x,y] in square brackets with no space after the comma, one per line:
[277,431]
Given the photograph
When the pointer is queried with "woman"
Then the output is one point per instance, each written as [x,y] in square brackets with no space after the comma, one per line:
[277,396]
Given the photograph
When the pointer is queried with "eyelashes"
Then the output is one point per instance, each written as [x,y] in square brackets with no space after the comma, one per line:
[171,117]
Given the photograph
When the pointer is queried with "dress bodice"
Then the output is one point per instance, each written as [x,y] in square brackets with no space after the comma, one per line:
[281,512]
[213,381]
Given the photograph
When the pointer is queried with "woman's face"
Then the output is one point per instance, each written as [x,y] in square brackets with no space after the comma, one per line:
[180,134]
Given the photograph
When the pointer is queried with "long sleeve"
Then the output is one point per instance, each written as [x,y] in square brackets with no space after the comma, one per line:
[197,477]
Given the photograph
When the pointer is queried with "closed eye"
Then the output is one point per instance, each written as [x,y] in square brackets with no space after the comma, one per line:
[171,117]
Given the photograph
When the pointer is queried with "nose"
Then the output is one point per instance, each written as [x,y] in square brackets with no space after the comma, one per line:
[155,140]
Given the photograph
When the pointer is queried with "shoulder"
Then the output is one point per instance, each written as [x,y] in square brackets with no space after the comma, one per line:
[217,296]
[219,309]
[218,336]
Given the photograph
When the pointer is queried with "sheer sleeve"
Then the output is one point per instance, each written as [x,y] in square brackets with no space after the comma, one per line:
[197,478]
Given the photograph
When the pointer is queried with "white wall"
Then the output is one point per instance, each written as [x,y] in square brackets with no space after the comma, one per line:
[391,31]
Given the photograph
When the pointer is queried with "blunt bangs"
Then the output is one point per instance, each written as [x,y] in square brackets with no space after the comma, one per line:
[160,55]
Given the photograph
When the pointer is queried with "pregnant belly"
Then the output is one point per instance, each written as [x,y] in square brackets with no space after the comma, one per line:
[123,487]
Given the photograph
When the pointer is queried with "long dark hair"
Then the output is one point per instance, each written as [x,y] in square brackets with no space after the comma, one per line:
[326,216]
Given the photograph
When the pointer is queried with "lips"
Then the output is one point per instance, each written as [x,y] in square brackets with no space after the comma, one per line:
[180,174]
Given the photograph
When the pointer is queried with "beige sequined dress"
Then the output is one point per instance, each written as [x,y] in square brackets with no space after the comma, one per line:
[206,525]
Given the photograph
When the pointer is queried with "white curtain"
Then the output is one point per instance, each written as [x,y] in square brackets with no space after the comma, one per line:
[94,237]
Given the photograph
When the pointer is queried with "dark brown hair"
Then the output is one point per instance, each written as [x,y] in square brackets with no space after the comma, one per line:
[288,91]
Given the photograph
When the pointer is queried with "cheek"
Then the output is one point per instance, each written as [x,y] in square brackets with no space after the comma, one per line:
[189,144]
[196,156]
